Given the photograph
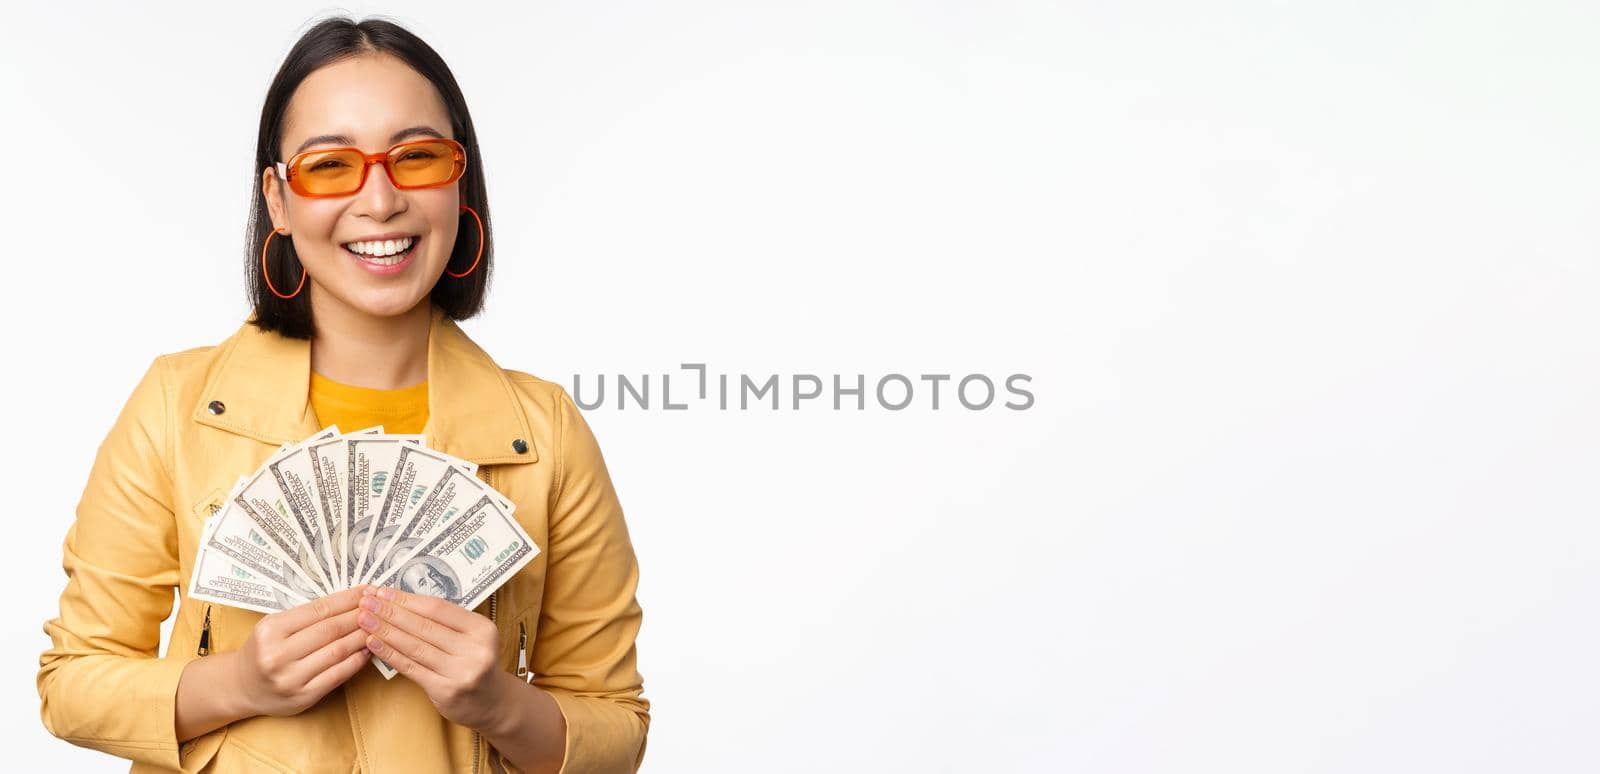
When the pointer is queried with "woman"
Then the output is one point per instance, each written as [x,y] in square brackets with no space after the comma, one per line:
[359,267]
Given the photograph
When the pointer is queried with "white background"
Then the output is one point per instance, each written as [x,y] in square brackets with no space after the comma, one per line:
[1307,292]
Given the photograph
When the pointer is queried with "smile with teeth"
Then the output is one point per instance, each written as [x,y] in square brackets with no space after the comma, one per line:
[387,252]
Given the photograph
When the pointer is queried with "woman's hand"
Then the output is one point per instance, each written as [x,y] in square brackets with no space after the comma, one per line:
[447,650]
[290,660]
[294,658]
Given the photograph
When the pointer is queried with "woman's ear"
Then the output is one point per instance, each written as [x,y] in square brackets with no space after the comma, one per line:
[272,191]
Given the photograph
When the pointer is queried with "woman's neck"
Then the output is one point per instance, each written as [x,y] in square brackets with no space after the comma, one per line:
[385,353]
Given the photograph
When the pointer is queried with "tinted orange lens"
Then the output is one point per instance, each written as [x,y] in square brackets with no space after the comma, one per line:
[327,172]
[423,163]
[419,164]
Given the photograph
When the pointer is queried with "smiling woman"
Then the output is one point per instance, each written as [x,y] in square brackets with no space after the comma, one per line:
[368,174]
[367,242]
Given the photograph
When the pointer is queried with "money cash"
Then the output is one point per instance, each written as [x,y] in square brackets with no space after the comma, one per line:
[341,509]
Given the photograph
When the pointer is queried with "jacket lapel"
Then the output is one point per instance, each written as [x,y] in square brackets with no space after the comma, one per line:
[263,381]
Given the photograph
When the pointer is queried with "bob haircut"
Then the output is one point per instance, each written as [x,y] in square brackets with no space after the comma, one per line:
[333,40]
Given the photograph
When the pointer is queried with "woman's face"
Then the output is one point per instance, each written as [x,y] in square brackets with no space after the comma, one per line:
[372,100]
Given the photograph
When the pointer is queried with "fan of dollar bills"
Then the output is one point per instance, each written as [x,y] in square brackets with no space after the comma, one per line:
[338,510]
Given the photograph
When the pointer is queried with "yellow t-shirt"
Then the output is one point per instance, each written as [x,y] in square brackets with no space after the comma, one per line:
[355,408]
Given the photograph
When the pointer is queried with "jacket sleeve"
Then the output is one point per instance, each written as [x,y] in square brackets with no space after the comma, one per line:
[101,685]
[583,653]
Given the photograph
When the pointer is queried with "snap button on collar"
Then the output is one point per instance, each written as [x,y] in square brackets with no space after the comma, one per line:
[216,407]
[520,445]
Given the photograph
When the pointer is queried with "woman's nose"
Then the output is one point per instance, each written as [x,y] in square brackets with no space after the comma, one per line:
[378,198]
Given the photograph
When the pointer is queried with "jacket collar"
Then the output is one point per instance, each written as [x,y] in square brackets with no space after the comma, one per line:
[263,380]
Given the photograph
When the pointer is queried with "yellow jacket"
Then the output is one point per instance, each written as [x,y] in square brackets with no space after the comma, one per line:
[201,417]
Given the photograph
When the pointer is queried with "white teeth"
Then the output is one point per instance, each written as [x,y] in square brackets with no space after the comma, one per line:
[381,249]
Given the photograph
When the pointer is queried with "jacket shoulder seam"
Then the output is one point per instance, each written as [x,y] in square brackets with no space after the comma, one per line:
[192,351]
[523,377]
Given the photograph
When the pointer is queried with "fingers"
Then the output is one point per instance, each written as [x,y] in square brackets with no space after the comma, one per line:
[416,623]
[403,663]
[341,671]
[319,634]
[452,616]
[330,655]
[413,647]
[296,618]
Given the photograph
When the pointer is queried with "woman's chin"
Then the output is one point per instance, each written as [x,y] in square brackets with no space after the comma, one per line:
[383,302]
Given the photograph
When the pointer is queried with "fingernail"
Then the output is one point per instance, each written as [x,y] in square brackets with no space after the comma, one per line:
[368,621]
[374,644]
[366,591]
[386,593]
[368,603]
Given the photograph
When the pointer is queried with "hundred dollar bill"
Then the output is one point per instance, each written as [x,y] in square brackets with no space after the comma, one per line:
[267,507]
[467,560]
[235,534]
[328,457]
[216,514]
[215,559]
[218,579]
[456,491]
[292,487]
[417,470]
[368,465]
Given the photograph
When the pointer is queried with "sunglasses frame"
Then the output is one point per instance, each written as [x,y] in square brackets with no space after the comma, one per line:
[289,172]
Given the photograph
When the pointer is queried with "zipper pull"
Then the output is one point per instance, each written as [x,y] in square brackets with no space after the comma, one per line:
[205,635]
[522,651]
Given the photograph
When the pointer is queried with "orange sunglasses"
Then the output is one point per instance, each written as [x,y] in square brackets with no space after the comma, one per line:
[328,172]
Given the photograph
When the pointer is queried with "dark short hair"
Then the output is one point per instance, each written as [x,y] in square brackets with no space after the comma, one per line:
[329,41]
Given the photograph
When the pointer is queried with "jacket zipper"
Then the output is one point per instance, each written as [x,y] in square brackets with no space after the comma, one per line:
[205,635]
[205,627]
[522,652]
